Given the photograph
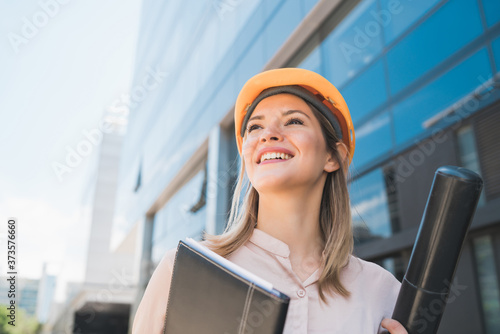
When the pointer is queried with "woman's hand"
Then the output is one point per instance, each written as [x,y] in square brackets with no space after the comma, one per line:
[393,326]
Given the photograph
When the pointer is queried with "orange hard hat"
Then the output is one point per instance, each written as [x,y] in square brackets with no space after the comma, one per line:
[306,84]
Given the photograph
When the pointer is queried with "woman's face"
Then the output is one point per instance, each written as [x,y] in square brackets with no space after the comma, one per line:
[284,124]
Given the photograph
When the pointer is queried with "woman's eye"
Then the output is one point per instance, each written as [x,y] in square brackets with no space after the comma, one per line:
[295,121]
[252,127]
[291,121]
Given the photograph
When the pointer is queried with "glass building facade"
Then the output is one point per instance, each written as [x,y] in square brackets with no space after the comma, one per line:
[421,79]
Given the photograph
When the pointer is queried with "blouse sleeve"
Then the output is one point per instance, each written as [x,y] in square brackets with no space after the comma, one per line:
[390,296]
[150,315]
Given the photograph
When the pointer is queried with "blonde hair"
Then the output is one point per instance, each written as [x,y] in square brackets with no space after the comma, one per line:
[334,218]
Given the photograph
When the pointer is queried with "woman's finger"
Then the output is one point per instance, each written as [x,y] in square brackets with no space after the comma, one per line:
[393,326]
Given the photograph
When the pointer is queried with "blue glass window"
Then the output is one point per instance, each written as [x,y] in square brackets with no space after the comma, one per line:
[352,45]
[370,212]
[175,220]
[250,20]
[307,5]
[396,16]
[251,63]
[373,139]
[496,52]
[366,92]
[225,95]
[411,114]
[281,26]
[444,33]
[491,11]
[313,61]
[488,283]
[468,153]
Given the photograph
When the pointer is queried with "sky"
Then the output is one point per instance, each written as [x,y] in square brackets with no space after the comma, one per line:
[62,64]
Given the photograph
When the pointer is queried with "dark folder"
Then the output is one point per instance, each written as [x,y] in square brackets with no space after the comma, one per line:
[209,295]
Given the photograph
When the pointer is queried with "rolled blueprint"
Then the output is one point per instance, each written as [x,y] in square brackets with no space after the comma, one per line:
[447,216]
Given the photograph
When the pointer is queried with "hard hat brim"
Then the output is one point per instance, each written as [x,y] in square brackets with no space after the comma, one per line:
[313,82]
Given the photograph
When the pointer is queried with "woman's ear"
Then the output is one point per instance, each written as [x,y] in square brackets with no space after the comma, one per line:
[332,164]
[343,151]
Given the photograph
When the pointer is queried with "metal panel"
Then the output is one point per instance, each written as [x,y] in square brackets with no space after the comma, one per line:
[487,132]
[462,313]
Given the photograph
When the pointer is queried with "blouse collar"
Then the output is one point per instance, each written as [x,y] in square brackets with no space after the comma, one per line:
[269,243]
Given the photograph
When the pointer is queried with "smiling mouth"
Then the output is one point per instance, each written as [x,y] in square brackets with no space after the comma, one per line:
[274,157]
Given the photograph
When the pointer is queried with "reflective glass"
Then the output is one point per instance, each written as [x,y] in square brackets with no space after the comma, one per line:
[147,52]
[488,283]
[181,28]
[491,11]
[468,153]
[307,5]
[270,6]
[282,24]
[225,96]
[251,63]
[242,12]
[175,221]
[440,36]
[496,52]
[249,24]
[353,44]
[411,114]
[366,92]
[313,61]
[396,16]
[370,212]
[227,34]
[373,139]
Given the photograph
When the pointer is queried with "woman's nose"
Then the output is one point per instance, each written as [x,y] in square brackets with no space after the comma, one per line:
[271,132]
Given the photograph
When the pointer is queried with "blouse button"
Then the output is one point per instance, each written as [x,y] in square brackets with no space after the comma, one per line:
[301,293]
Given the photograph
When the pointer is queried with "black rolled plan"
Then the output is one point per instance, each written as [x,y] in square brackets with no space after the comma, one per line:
[447,216]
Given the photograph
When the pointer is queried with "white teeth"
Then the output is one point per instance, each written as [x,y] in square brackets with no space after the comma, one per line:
[274,155]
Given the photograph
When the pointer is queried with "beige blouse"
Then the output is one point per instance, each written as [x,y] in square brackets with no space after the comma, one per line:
[373,289]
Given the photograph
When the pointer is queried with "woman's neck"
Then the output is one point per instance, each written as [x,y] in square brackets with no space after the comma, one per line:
[293,217]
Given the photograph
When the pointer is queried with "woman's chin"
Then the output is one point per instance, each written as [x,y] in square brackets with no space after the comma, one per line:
[271,186]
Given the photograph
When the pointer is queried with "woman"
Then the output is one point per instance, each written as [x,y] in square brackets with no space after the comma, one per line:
[295,136]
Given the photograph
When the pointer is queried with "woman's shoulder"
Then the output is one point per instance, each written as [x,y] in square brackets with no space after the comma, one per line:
[367,271]
[164,268]
[151,310]
[372,285]
[168,258]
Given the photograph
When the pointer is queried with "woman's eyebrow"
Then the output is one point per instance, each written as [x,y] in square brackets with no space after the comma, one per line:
[289,112]
[285,113]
